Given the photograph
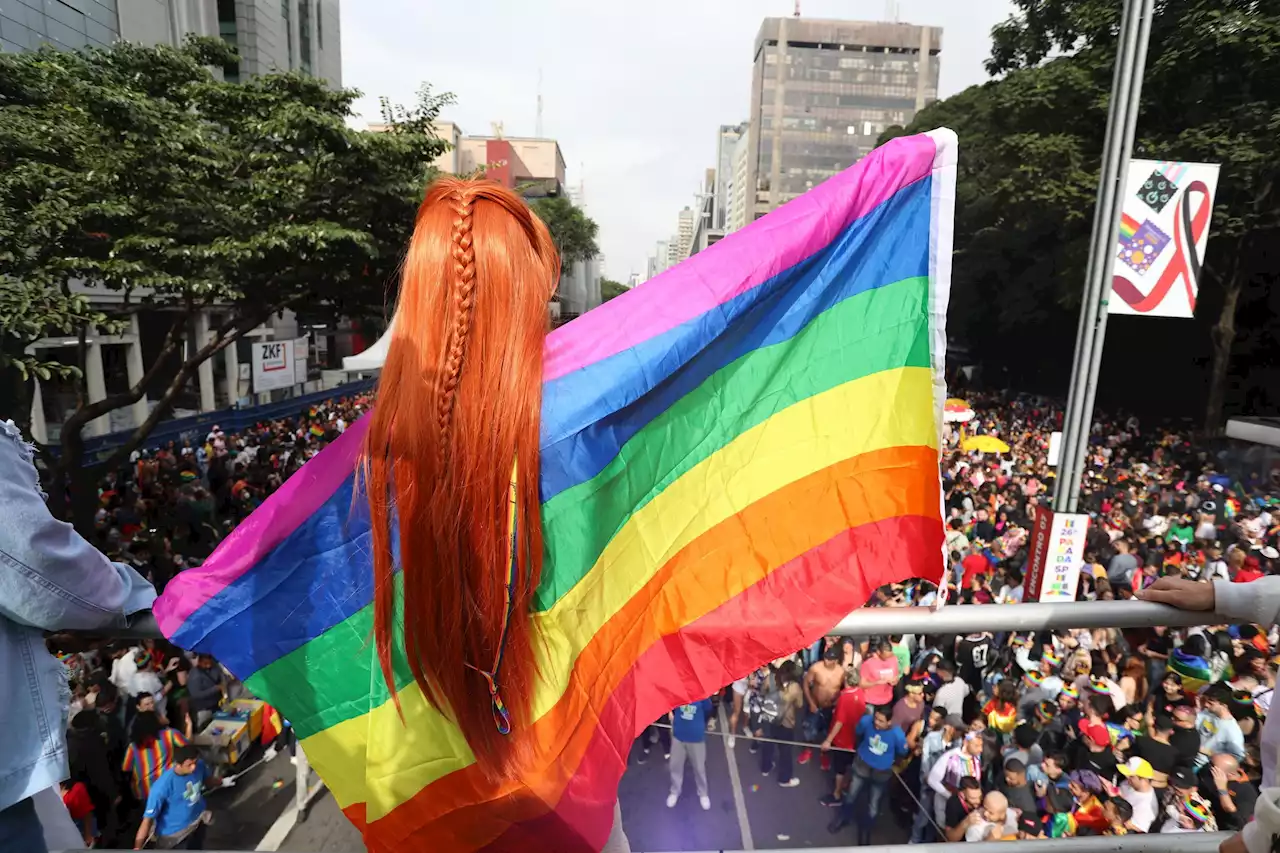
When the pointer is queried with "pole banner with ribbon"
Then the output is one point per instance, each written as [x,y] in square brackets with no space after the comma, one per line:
[1164,228]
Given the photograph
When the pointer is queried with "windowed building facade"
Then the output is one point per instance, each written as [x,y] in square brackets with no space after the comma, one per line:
[823,92]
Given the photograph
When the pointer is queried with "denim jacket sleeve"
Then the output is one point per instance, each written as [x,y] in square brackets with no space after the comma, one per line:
[50,577]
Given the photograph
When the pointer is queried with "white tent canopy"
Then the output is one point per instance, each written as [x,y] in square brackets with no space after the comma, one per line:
[372,358]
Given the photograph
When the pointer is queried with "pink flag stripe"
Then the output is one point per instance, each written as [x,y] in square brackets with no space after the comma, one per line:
[268,526]
[748,258]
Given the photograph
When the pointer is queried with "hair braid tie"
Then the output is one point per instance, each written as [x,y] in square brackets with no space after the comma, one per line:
[463,305]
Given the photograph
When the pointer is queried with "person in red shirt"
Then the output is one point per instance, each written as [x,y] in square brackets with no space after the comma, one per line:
[851,706]
[75,796]
[1250,571]
[975,564]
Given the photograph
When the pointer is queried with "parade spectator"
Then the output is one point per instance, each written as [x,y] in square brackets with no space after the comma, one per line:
[689,740]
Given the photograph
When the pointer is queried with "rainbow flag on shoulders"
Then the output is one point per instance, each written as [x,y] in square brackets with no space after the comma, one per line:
[735,455]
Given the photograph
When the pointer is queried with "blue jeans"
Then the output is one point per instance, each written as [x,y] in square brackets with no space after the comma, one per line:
[878,783]
[20,829]
[922,825]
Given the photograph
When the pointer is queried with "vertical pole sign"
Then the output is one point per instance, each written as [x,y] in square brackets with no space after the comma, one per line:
[1055,556]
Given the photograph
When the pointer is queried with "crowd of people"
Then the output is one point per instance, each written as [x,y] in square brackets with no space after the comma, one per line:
[134,709]
[1051,734]
[976,737]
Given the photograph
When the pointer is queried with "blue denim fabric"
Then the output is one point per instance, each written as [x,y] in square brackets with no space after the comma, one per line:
[51,579]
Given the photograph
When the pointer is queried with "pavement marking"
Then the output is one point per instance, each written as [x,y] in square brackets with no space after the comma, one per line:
[284,824]
[739,802]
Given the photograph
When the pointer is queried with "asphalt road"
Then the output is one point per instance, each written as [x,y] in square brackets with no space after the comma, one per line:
[774,817]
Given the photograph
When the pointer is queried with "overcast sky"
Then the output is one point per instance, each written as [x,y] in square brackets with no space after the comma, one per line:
[634,91]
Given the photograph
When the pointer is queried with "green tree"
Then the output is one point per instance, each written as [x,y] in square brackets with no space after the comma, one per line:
[572,230]
[137,175]
[1031,143]
[610,289]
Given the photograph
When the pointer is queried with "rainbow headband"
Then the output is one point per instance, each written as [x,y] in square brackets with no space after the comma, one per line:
[1195,811]
[1033,680]
[1069,691]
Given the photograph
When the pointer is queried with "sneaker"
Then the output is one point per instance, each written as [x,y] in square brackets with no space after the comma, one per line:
[671,800]
[805,756]
[293,759]
[829,800]
[666,756]
[826,762]
[732,741]
[644,756]
[790,783]
[753,748]
[705,802]
[768,772]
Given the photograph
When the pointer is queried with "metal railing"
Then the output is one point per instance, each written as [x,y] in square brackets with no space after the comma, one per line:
[963,619]
[952,619]
[1186,842]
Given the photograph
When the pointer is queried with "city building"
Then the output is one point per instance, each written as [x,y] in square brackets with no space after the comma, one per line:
[684,233]
[737,208]
[657,263]
[823,91]
[271,35]
[674,255]
[533,165]
[726,144]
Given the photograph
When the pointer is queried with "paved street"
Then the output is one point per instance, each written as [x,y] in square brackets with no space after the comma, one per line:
[775,817]
[243,814]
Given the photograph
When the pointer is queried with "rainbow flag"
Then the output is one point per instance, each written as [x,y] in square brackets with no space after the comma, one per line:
[734,456]
[1194,671]
[1128,227]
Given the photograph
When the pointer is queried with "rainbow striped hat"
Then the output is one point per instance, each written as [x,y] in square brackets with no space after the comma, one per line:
[1033,680]
[1069,690]
[1052,659]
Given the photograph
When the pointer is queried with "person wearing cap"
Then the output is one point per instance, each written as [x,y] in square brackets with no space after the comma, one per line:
[952,691]
[1185,810]
[936,742]
[1086,787]
[1093,750]
[1138,790]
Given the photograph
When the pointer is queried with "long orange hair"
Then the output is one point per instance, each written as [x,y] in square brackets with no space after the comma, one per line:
[459,407]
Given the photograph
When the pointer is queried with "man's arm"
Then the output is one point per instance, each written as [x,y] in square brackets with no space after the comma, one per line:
[50,577]
[805,682]
[936,774]
[144,832]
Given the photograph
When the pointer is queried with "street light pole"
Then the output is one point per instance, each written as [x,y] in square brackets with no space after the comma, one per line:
[1122,119]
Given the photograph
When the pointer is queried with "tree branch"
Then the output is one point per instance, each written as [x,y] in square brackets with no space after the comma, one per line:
[228,333]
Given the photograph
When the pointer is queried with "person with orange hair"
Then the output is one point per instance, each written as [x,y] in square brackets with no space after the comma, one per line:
[451,465]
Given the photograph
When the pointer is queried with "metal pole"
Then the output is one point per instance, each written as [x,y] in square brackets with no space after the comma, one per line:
[1031,616]
[1113,233]
[1080,360]
[956,619]
[1121,117]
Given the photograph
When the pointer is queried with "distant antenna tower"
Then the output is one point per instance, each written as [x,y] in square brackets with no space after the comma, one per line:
[538,124]
[797,8]
[582,184]
[891,11]
[497,129]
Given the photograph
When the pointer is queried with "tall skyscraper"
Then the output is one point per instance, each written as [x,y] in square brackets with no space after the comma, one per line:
[271,35]
[684,235]
[821,94]
[726,142]
[736,213]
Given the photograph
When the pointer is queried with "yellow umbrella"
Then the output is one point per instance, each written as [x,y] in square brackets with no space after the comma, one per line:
[985,443]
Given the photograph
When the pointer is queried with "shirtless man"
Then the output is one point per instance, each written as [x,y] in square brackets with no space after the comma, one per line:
[822,685]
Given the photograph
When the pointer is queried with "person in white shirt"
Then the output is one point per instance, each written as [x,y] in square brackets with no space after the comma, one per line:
[997,822]
[1257,603]
[1138,791]
[952,692]
[123,668]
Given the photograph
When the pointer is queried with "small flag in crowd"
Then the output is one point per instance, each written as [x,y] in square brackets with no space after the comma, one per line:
[787,382]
